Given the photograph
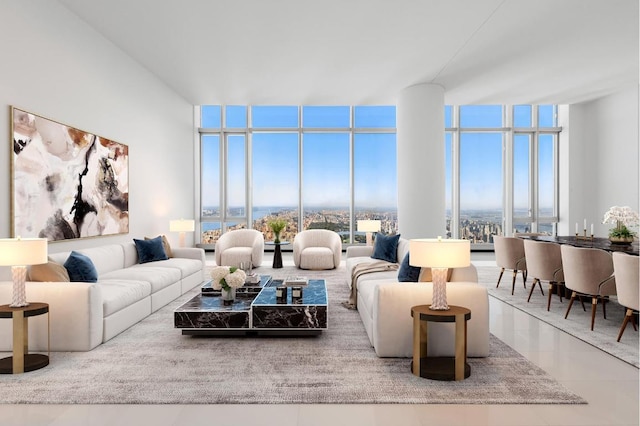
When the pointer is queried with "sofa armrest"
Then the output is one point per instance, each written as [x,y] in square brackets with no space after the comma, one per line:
[468,274]
[189,253]
[76,316]
[392,326]
[359,251]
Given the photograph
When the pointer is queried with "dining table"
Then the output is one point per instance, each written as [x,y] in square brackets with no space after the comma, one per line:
[595,242]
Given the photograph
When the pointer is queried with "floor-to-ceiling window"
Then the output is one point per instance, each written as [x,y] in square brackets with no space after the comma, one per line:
[313,166]
[501,170]
[329,166]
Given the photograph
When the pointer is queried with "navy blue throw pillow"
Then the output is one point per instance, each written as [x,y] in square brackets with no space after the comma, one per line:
[150,250]
[81,268]
[385,248]
[408,273]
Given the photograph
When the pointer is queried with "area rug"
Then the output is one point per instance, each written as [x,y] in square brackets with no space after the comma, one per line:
[152,363]
[578,324]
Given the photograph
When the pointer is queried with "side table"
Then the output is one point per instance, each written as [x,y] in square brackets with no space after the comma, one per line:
[277,253]
[440,368]
[22,361]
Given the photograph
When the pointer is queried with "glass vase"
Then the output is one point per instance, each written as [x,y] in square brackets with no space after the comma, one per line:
[228,296]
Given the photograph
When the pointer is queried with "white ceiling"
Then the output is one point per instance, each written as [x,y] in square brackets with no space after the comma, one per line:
[366,51]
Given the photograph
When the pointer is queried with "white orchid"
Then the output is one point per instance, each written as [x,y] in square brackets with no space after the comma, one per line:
[622,217]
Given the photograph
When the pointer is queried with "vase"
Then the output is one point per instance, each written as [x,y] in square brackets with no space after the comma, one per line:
[228,296]
[276,238]
[621,240]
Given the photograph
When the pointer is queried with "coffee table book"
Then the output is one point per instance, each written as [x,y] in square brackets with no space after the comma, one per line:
[293,281]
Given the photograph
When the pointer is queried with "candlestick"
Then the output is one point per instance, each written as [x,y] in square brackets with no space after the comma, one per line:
[585,225]
[576,228]
[592,229]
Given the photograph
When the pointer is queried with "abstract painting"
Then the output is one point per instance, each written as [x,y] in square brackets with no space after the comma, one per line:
[66,183]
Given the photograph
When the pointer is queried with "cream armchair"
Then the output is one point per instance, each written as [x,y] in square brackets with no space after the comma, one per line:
[240,245]
[317,249]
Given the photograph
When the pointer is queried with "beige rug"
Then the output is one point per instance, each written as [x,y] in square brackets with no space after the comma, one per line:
[152,363]
[578,324]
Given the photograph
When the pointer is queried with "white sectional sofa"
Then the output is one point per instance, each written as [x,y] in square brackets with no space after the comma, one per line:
[84,315]
[385,305]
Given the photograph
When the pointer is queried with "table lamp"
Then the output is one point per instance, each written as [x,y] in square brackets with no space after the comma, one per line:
[182,226]
[439,255]
[18,253]
[369,226]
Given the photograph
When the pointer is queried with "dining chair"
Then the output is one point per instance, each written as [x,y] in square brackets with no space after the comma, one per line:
[509,253]
[588,271]
[544,263]
[626,269]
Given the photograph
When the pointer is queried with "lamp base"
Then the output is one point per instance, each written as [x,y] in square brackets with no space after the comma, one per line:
[369,236]
[439,298]
[19,276]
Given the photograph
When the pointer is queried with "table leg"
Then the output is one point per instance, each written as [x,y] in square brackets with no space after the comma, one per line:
[277,257]
[461,350]
[419,343]
[20,341]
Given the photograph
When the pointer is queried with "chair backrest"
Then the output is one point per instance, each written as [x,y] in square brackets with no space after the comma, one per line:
[586,268]
[544,260]
[626,269]
[241,238]
[509,252]
[317,238]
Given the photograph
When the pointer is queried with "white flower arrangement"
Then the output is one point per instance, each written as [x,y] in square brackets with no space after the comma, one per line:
[622,217]
[225,277]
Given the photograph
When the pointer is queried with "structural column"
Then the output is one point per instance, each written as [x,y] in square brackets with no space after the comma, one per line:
[420,156]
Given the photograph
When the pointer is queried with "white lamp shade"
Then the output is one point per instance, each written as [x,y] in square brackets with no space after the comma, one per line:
[23,251]
[368,226]
[182,225]
[439,253]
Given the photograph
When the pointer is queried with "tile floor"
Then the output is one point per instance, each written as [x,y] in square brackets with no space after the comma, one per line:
[609,385]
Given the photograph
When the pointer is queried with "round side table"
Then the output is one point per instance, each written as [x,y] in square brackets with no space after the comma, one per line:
[22,361]
[440,368]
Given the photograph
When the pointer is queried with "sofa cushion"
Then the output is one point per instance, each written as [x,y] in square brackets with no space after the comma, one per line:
[81,268]
[408,273]
[385,248]
[158,277]
[150,250]
[49,272]
[119,294]
[186,267]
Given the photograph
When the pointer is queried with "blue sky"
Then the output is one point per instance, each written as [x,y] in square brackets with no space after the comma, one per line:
[325,166]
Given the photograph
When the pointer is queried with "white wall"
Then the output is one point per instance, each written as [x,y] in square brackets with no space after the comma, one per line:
[55,66]
[599,160]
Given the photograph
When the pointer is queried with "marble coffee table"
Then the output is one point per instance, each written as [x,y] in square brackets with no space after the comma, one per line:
[256,312]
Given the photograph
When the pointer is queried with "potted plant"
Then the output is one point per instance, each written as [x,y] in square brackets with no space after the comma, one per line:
[622,217]
[277,225]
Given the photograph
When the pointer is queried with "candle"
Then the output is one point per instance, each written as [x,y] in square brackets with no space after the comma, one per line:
[592,229]
[576,227]
[585,225]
